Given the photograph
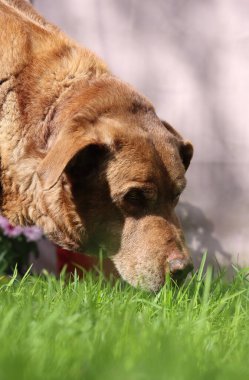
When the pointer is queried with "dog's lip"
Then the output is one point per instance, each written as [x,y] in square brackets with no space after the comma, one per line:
[175,256]
[179,267]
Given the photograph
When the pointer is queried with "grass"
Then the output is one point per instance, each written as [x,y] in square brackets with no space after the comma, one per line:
[56,329]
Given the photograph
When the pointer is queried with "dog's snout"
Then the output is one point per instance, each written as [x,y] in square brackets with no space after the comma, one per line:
[179,268]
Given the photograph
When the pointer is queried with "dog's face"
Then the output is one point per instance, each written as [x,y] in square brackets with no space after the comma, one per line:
[126,171]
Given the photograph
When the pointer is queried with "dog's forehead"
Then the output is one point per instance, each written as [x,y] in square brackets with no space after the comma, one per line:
[166,145]
[167,148]
[145,152]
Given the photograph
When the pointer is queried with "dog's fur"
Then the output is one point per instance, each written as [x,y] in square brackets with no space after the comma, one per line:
[83,155]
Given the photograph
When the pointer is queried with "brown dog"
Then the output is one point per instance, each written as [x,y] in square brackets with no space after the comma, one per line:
[84,156]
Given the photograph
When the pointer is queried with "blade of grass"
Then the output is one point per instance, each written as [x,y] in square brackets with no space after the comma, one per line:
[199,280]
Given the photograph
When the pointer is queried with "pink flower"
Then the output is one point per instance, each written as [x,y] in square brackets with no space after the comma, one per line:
[8,229]
[4,222]
[32,233]
[12,231]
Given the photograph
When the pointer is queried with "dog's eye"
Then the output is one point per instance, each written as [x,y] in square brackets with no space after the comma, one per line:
[135,197]
[138,200]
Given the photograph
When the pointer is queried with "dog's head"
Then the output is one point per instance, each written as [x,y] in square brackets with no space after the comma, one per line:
[124,171]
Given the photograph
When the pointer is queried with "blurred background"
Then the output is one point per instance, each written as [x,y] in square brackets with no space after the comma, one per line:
[190,58]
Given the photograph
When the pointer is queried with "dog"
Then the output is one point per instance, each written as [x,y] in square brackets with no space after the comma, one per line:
[84,155]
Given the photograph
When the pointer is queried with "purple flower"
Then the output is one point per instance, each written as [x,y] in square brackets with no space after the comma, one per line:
[32,233]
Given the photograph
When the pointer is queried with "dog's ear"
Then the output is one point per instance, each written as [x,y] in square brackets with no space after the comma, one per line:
[70,141]
[186,149]
[186,153]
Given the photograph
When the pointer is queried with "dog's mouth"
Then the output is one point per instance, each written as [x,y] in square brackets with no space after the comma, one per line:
[93,247]
[103,240]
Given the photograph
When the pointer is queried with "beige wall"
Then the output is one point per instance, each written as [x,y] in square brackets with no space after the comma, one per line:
[191,58]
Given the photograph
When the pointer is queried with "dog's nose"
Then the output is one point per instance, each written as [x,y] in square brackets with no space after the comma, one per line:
[179,268]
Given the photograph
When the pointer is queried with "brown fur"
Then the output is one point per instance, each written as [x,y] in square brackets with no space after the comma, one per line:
[83,155]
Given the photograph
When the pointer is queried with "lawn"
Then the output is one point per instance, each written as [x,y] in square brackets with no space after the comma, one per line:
[92,329]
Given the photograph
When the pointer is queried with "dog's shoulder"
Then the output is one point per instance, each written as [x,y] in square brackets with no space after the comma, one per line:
[25,10]
[24,36]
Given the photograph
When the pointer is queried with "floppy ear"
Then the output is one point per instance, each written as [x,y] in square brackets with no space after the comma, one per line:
[69,142]
[186,149]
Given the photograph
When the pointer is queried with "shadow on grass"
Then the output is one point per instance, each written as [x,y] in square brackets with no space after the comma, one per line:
[200,236]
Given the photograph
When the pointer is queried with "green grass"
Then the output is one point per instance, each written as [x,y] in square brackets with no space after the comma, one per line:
[56,329]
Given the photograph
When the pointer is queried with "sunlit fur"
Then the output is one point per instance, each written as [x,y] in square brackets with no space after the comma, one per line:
[57,100]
